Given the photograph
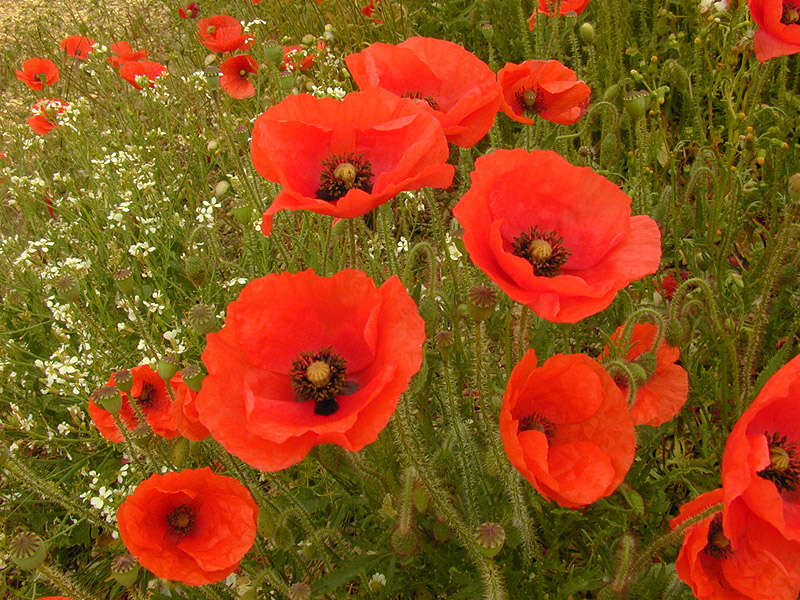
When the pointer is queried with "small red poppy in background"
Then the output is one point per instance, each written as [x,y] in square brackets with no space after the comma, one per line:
[750,561]
[761,462]
[45,114]
[545,88]
[566,428]
[192,526]
[305,360]
[184,410]
[234,76]
[555,237]
[137,69]
[77,46]
[37,73]
[150,394]
[296,57]
[345,157]
[123,52]
[369,9]
[548,7]
[222,33]
[454,84]
[666,389]
[778,32]
[192,11]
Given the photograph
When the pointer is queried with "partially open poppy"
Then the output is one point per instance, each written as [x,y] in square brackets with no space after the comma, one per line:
[548,7]
[305,360]
[566,428]
[192,11]
[222,33]
[294,57]
[37,73]
[778,32]
[192,526]
[543,88]
[345,157]
[123,52]
[136,72]
[45,114]
[454,84]
[558,238]
[666,389]
[77,46]
[184,410]
[234,76]
[761,462]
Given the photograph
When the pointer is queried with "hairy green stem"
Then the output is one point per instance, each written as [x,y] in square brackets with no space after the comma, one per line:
[63,582]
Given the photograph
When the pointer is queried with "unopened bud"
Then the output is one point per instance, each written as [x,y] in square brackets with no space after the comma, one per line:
[405,544]
[221,188]
[674,333]
[308,39]
[210,59]
[420,497]
[212,145]
[180,451]
[274,54]
[196,269]
[586,33]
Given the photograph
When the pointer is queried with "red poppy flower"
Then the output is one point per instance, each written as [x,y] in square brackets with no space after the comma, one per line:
[294,57]
[454,84]
[222,33]
[752,561]
[37,73]
[136,69]
[778,32]
[305,360]
[184,410]
[234,76]
[192,526]
[664,393]
[566,428]
[369,9]
[344,158]
[545,88]
[124,53]
[547,7]
[77,46]
[45,114]
[152,398]
[761,462]
[191,12]
[553,236]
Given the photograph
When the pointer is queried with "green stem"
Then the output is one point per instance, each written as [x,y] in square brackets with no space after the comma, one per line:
[63,582]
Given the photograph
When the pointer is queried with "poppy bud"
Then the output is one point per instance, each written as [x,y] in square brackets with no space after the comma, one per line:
[193,377]
[180,451]
[481,302]
[67,288]
[308,39]
[611,92]
[168,366]
[209,59]
[125,569]
[124,380]
[609,146]
[273,54]
[196,269]
[108,398]
[124,280]
[405,544]
[212,145]
[27,550]
[429,310]
[441,532]
[241,211]
[300,591]
[286,82]
[201,318]
[267,523]
[794,187]
[487,29]
[647,362]
[638,372]
[221,188]
[420,498]
[636,103]
[586,33]
[490,538]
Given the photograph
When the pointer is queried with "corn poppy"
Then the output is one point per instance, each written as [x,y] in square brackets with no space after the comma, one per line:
[750,561]
[184,410]
[295,58]
[191,11]
[77,46]
[134,70]
[545,88]
[548,7]
[234,72]
[37,73]
[123,52]
[664,392]
[192,526]
[222,33]
[451,82]
[761,462]
[152,398]
[345,157]
[778,32]
[305,360]
[45,114]
[553,236]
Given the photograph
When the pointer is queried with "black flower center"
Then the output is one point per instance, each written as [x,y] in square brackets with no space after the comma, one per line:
[791,12]
[320,376]
[544,250]
[537,422]
[342,173]
[718,545]
[181,519]
[784,463]
[419,96]
[147,396]
[529,100]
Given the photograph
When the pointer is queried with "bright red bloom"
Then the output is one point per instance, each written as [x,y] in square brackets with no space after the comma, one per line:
[191,12]
[152,398]
[124,53]
[45,114]
[344,158]
[184,410]
[222,33]
[778,32]
[665,392]
[566,428]
[545,88]
[752,561]
[294,58]
[192,526]
[234,79]
[369,9]
[37,73]
[547,7]
[558,238]
[305,360]
[134,69]
[77,46]
[761,463]
[454,84]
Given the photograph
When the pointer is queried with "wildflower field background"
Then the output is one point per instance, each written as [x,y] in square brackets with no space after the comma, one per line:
[491,331]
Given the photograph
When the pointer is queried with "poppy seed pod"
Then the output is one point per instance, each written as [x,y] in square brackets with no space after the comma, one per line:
[201,318]
[28,550]
[124,280]
[482,300]
[108,398]
[124,569]
[490,538]
[636,103]
[193,377]
[168,366]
